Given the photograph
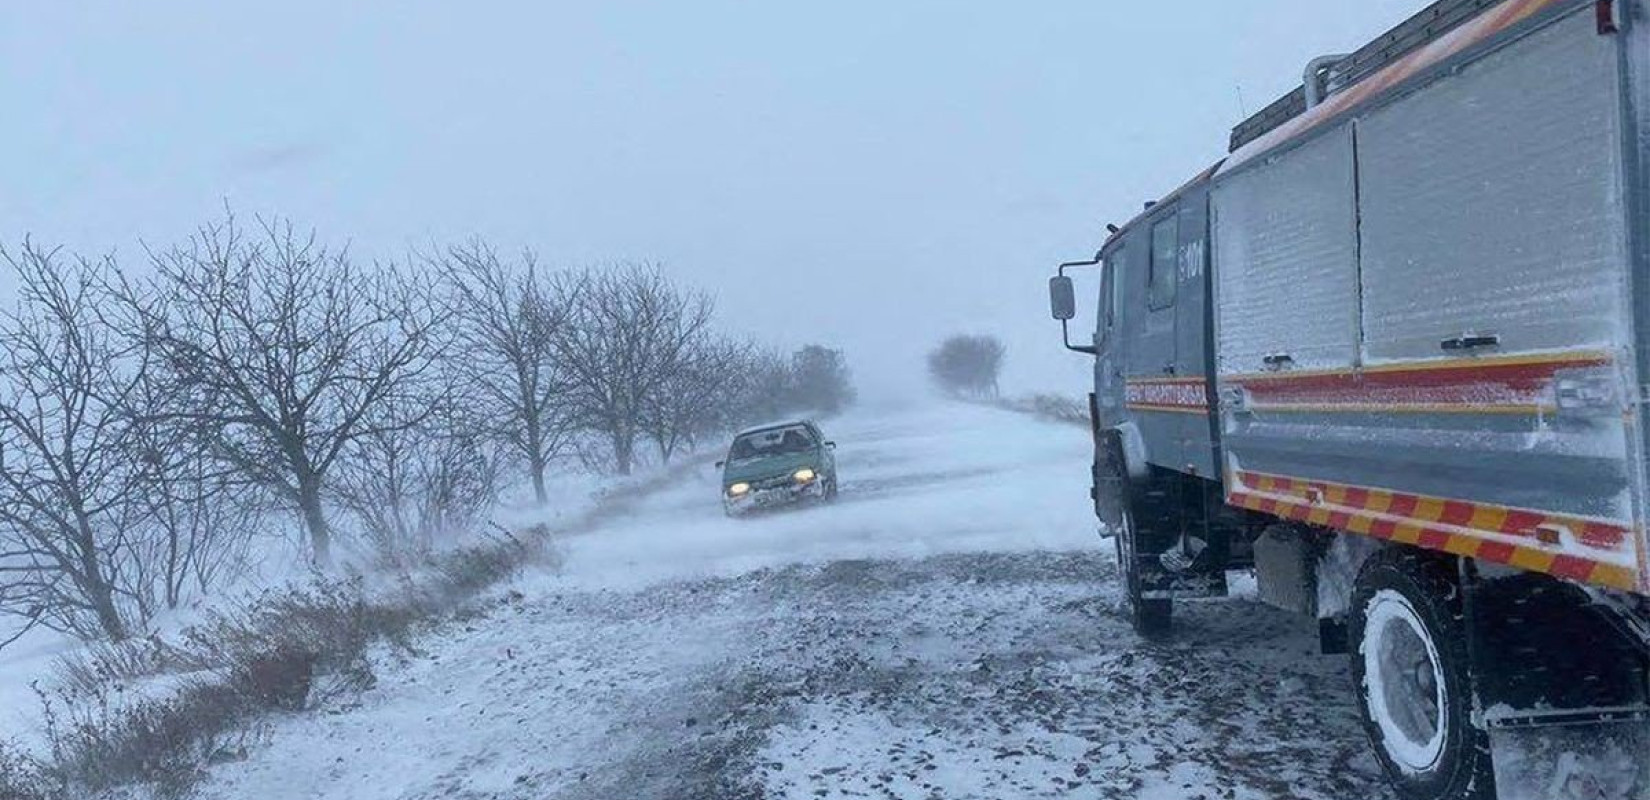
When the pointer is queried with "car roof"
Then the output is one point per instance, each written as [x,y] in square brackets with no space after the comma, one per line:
[770,426]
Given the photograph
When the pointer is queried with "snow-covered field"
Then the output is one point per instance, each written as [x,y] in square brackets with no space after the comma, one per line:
[949,629]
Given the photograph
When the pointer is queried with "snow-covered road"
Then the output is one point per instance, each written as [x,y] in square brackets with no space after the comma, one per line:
[949,629]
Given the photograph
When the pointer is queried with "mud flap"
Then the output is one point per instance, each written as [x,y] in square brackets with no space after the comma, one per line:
[1286,570]
[1563,688]
[1597,755]
[1110,480]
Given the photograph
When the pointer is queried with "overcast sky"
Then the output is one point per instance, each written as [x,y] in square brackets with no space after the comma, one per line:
[868,174]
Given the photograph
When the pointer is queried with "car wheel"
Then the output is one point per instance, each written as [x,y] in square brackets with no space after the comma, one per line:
[830,489]
[1413,679]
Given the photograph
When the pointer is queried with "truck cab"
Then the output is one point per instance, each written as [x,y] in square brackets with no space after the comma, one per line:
[1152,342]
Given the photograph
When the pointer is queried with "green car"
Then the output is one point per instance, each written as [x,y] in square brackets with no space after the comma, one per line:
[776,465]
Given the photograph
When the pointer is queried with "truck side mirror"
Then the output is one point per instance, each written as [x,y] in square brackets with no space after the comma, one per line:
[1062,298]
[1062,302]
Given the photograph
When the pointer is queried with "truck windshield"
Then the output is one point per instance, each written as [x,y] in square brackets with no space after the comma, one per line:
[1108,300]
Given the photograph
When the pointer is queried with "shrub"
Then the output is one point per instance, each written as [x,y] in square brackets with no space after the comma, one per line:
[89,670]
[284,651]
[163,742]
[21,776]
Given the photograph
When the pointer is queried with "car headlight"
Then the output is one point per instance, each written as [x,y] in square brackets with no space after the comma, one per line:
[804,476]
[739,489]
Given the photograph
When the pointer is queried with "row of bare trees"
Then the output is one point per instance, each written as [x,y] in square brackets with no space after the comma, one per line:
[155,424]
[617,364]
[967,366]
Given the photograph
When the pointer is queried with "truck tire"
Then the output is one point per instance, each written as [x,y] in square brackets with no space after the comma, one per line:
[1413,678]
[1148,616]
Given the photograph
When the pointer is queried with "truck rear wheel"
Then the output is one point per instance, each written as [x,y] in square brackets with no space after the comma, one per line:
[1413,679]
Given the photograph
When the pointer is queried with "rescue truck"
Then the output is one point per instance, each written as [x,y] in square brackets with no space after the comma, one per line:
[1392,353]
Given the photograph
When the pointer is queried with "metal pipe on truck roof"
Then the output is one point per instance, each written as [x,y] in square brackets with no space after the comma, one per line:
[1312,78]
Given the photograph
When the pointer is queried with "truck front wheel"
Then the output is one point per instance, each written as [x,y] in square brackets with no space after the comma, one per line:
[1116,499]
[1413,678]
[1148,616]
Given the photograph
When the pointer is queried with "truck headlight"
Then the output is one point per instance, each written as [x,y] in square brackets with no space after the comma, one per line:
[739,489]
[804,476]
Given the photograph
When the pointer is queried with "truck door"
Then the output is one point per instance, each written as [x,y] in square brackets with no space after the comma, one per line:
[1108,342]
[1151,288]
[1193,371]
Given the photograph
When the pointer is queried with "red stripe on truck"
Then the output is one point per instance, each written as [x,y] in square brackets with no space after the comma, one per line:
[1519,384]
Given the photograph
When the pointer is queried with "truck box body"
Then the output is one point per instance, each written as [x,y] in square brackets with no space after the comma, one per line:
[1425,292]
[1362,252]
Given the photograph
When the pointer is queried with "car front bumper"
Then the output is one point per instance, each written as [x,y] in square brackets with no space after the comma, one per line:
[770,496]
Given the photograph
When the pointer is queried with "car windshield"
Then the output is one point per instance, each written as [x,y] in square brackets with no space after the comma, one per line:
[777,441]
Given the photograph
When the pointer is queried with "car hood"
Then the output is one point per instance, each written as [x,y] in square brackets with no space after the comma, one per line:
[770,467]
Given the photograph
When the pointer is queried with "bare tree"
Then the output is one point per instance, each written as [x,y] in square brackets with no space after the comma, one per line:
[71,477]
[967,365]
[696,396]
[821,380]
[410,484]
[288,349]
[763,389]
[197,533]
[201,513]
[630,331]
[509,317]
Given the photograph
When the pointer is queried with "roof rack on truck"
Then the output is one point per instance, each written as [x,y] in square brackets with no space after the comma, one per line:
[1338,72]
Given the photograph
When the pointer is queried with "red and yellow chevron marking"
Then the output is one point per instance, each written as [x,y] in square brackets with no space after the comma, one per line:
[1537,541]
[1188,395]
